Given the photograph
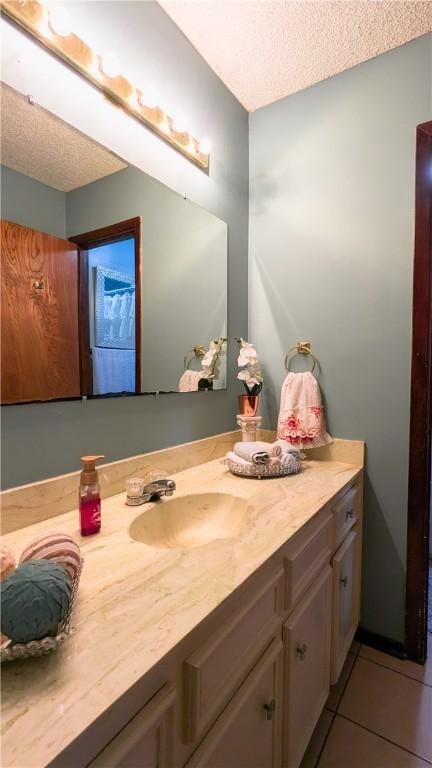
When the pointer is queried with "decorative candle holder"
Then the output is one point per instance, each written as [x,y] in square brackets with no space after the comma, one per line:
[249,426]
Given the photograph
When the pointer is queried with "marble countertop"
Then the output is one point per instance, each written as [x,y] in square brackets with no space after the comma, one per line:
[130,591]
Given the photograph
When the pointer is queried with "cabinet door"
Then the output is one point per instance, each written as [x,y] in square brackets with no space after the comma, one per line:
[346,600]
[39,317]
[147,741]
[248,732]
[306,667]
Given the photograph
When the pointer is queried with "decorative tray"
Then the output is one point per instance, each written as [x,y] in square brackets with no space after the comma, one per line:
[46,644]
[261,471]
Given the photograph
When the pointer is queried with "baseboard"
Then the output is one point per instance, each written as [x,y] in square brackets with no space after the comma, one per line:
[381,643]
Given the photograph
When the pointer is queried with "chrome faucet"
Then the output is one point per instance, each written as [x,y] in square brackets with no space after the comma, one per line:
[152,492]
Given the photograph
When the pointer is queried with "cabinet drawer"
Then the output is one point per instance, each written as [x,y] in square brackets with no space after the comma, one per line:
[346,513]
[214,671]
[248,732]
[148,740]
[305,556]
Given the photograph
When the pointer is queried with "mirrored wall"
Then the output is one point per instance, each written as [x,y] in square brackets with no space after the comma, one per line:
[112,284]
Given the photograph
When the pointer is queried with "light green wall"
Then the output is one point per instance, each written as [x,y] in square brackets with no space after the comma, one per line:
[331,253]
[31,203]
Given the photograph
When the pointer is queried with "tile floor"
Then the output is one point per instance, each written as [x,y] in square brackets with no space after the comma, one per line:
[378,715]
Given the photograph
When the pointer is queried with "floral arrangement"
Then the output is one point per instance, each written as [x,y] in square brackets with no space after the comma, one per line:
[250,370]
[211,358]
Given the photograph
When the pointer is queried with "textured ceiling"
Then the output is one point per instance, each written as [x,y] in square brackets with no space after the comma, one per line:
[38,144]
[264,51]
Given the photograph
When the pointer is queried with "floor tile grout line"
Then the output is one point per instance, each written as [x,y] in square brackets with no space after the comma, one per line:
[345,686]
[334,713]
[396,671]
[325,737]
[384,738]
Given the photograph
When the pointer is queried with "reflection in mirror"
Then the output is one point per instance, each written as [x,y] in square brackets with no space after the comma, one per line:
[132,277]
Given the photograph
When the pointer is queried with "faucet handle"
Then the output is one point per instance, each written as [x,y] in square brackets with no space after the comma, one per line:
[156,474]
[134,487]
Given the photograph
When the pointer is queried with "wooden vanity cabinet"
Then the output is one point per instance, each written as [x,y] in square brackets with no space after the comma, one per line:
[148,740]
[250,683]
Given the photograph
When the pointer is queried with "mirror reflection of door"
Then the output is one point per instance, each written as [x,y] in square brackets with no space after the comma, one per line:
[39,316]
[110,309]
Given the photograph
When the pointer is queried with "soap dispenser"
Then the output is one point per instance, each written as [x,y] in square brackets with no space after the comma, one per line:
[89,500]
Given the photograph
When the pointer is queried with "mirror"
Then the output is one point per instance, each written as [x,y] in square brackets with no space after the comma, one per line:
[112,283]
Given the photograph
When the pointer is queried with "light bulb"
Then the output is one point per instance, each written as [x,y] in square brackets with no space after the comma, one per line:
[60,21]
[110,65]
[42,24]
[164,125]
[178,124]
[134,100]
[205,147]
[149,98]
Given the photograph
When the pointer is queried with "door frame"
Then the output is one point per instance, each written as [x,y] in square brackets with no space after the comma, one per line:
[103,236]
[419,478]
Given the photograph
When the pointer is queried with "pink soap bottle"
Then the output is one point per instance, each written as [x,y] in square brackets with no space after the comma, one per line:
[89,499]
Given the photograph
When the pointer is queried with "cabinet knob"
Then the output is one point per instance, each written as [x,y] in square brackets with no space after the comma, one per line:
[349,514]
[270,708]
[344,581]
[301,651]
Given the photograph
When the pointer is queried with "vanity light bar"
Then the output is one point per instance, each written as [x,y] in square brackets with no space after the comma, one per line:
[52,27]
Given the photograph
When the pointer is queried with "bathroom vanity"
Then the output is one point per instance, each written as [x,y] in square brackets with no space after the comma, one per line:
[215,654]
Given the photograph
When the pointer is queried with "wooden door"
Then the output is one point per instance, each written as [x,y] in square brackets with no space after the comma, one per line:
[306,667]
[148,740]
[346,600]
[248,732]
[39,316]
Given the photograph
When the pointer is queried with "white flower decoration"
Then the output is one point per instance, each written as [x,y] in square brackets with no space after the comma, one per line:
[248,361]
[210,359]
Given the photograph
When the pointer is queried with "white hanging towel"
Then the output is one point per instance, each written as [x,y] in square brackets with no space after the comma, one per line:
[189,381]
[301,417]
[113,370]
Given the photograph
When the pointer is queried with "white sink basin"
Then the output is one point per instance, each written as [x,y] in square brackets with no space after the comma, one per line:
[185,522]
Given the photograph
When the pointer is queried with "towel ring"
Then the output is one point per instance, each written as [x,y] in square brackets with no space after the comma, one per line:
[198,351]
[301,348]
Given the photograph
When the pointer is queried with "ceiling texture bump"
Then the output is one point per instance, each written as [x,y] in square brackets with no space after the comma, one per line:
[265,50]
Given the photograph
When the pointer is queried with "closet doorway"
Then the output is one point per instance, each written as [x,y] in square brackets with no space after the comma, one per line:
[420,475]
[110,309]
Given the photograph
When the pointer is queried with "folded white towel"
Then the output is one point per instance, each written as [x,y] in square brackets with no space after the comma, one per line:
[288,460]
[257,453]
[287,448]
[238,460]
